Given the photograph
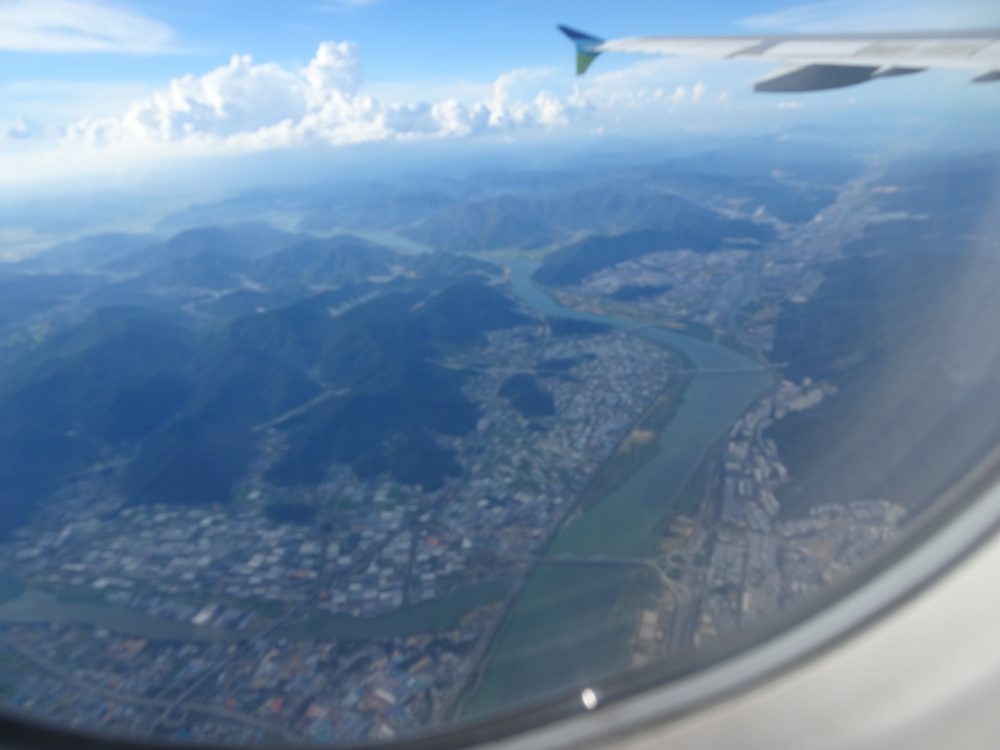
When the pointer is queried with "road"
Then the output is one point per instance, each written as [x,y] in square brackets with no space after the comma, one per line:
[181,700]
[63,674]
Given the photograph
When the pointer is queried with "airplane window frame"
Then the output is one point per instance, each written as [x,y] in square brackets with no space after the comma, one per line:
[933,543]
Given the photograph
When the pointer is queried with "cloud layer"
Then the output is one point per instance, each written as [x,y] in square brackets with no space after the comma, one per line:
[78,26]
[246,106]
[249,106]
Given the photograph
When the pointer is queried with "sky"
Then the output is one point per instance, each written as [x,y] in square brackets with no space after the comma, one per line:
[103,87]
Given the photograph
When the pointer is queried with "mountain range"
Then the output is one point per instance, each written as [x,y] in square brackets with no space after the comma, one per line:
[147,364]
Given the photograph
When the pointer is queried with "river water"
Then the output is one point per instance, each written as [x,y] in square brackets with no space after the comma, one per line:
[571,625]
[34,606]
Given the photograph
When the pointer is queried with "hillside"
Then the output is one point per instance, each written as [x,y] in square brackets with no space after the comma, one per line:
[519,222]
[397,398]
[698,231]
[904,298]
[244,241]
[326,262]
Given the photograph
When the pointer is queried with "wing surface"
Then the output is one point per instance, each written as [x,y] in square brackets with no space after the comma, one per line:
[818,62]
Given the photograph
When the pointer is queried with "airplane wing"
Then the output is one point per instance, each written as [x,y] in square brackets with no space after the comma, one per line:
[815,62]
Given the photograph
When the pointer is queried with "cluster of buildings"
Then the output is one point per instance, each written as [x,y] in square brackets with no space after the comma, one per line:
[738,560]
[225,622]
[751,575]
[525,474]
[266,689]
[751,469]
[704,290]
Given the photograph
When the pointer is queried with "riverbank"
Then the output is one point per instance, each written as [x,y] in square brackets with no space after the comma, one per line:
[640,446]
[625,461]
[568,624]
[33,605]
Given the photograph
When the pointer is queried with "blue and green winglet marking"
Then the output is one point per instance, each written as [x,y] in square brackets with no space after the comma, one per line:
[586,48]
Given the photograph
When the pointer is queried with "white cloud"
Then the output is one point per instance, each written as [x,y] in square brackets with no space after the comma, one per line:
[877,15]
[335,66]
[250,106]
[246,106]
[667,81]
[236,98]
[639,88]
[78,26]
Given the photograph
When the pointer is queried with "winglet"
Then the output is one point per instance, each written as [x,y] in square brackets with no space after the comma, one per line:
[586,48]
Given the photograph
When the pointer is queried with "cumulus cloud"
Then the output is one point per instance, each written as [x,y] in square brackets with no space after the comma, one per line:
[622,96]
[657,83]
[336,66]
[78,26]
[249,105]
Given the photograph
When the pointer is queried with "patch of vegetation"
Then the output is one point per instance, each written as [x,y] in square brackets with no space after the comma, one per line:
[34,465]
[525,395]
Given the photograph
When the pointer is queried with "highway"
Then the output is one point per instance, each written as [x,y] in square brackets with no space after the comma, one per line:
[168,705]
[181,701]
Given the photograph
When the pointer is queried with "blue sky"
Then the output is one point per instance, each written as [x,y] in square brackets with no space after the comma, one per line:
[402,39]
[108,84]
[413,40]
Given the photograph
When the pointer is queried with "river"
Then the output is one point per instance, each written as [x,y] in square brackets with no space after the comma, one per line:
[571,625]
[35,606]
